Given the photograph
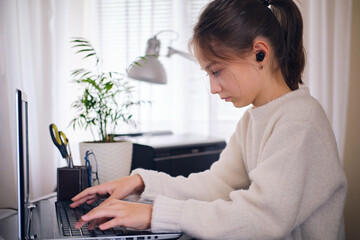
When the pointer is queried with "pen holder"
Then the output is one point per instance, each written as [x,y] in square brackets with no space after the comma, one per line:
[71,181]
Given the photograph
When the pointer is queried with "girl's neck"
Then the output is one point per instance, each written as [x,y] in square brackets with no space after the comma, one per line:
[273,88]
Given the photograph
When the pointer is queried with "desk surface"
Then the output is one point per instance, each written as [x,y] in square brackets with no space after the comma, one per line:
[8,224]
[171,140]
[5,213]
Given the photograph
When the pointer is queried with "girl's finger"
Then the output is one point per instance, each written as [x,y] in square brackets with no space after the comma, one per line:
[86,192]
[111,223]
[92,224]
[83,200]
[99,212]
[95,198]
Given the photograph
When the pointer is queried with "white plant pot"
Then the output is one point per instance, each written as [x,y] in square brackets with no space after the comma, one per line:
[113,158]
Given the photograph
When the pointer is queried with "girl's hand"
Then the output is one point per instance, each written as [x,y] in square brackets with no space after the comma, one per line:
[117,189]
[115,212]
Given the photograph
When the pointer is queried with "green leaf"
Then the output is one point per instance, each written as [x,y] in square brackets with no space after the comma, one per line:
[77,40]
[85,50]
[81,45]
[77,71]
[108,86]
[86,73]
[89,55]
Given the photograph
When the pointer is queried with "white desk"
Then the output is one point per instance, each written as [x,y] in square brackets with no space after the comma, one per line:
[8,224]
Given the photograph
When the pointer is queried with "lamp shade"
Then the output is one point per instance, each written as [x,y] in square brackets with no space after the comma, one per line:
[148,70]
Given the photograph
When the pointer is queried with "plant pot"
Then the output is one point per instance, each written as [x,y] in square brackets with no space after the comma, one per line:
[113,158]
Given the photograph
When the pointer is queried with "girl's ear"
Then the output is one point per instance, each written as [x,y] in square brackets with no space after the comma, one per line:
[260,51]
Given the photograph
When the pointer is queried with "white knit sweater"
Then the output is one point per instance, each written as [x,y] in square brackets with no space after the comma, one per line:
[279,177]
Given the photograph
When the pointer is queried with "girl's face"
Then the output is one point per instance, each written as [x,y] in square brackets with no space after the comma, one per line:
[239,82]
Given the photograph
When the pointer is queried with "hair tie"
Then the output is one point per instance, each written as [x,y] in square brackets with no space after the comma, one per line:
[266,2]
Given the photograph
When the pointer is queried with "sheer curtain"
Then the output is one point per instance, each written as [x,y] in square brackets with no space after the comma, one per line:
[32,59]
[327,34]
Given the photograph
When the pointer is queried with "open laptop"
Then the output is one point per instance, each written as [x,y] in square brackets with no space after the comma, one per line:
[45,219]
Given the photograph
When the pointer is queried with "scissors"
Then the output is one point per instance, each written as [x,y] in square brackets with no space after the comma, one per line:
[62,143]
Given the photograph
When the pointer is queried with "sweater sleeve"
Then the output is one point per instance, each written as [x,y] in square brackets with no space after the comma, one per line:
[297,173]
[225,175]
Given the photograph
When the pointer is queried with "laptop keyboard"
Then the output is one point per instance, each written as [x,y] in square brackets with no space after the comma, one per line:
[68,216]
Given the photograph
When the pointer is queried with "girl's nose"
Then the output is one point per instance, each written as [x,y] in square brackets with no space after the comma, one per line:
[215,87]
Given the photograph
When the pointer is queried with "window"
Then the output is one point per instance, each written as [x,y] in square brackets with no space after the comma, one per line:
[184,104]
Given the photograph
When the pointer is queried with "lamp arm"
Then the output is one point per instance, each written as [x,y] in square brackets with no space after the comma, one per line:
[172,51]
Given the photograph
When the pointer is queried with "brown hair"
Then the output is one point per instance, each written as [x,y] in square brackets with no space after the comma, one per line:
[228,28]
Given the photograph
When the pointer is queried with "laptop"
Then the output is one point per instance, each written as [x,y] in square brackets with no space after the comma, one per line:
[47,218]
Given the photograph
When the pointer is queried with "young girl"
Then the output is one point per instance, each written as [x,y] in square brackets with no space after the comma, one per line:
[279,176]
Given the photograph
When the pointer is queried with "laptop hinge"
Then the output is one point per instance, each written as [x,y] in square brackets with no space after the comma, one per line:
[30,208]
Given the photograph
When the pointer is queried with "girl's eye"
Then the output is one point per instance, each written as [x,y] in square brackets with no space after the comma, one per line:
[215,73]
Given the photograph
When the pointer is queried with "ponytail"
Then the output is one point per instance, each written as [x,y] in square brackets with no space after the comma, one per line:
[293,62]
[228,28]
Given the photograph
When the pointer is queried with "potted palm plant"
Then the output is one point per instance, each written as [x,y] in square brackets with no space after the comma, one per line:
[104,104]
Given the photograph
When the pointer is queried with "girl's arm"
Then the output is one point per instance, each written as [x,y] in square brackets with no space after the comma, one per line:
[298,178]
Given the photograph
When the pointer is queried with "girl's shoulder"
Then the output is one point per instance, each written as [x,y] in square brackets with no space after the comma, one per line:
[295,108]
[297,105]
[301,107]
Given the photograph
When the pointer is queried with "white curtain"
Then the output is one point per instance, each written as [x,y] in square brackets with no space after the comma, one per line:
[32,59]
[35,56]
[327,33]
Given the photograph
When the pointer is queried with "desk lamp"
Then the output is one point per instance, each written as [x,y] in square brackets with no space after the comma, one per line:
[150,69]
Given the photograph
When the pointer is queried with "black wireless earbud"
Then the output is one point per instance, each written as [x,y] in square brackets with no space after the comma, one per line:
[260,56]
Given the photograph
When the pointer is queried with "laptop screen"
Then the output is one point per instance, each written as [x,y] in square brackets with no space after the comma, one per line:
[22,149]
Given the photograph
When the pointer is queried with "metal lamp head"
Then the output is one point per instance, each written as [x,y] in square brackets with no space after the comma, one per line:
[149,69]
